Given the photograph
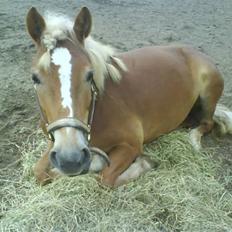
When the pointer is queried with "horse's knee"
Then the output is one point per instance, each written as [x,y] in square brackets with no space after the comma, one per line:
[108,181]
[41,175]
[44,177]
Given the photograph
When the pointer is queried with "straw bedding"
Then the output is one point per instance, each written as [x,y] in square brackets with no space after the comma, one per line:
[182,194]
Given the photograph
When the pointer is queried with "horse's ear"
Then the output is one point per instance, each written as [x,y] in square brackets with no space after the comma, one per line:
[83,24]
[35,24]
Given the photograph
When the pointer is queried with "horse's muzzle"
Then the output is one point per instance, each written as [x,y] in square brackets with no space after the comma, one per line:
[71,162]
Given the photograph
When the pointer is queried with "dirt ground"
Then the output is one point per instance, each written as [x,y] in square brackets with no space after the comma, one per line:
[125,24]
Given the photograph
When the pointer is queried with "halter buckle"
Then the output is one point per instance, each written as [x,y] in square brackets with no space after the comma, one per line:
[89,137]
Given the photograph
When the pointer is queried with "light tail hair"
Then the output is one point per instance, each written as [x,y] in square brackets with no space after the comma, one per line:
[223,119]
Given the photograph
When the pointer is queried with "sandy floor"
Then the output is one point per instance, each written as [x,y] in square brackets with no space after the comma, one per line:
[125,24]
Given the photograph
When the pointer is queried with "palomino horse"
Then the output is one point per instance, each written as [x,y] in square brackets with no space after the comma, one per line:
[141,94]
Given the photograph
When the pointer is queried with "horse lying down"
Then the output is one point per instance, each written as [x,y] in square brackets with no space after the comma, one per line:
[99,107]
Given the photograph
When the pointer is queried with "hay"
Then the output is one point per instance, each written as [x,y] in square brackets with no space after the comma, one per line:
[183,194]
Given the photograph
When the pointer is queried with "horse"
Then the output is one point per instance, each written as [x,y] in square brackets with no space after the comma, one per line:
[98,107]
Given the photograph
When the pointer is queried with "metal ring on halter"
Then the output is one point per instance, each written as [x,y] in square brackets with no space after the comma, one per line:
[101,153]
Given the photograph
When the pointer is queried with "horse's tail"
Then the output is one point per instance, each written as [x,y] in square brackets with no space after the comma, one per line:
[223,119]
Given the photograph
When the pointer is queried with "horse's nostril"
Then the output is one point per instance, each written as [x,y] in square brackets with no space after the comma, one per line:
[86,154]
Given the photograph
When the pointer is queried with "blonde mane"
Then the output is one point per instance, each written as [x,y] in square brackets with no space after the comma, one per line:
[59,27]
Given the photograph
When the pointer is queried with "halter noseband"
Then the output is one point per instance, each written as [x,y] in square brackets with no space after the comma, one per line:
[75,122]
[67,122]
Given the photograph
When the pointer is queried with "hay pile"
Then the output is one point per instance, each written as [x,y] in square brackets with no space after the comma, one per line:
[183,194]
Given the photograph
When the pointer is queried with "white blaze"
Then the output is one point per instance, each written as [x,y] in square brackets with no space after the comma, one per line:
[62,57]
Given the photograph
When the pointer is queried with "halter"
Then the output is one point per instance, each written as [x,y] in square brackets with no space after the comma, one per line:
[74,122]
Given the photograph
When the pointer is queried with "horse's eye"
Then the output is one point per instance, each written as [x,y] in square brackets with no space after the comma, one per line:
[89,76]
[35,79]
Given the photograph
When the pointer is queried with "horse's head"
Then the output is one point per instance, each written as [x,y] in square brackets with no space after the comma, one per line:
[63,76]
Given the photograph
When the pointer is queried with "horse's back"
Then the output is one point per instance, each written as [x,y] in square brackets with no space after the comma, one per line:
[169,68]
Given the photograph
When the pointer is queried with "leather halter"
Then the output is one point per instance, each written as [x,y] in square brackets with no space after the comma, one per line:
[74,122]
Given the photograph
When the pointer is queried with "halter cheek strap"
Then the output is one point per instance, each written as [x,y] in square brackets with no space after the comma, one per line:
[50,128]
[70,121]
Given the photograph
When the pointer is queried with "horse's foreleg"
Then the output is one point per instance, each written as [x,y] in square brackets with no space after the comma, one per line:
[121,157]
[43,171]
